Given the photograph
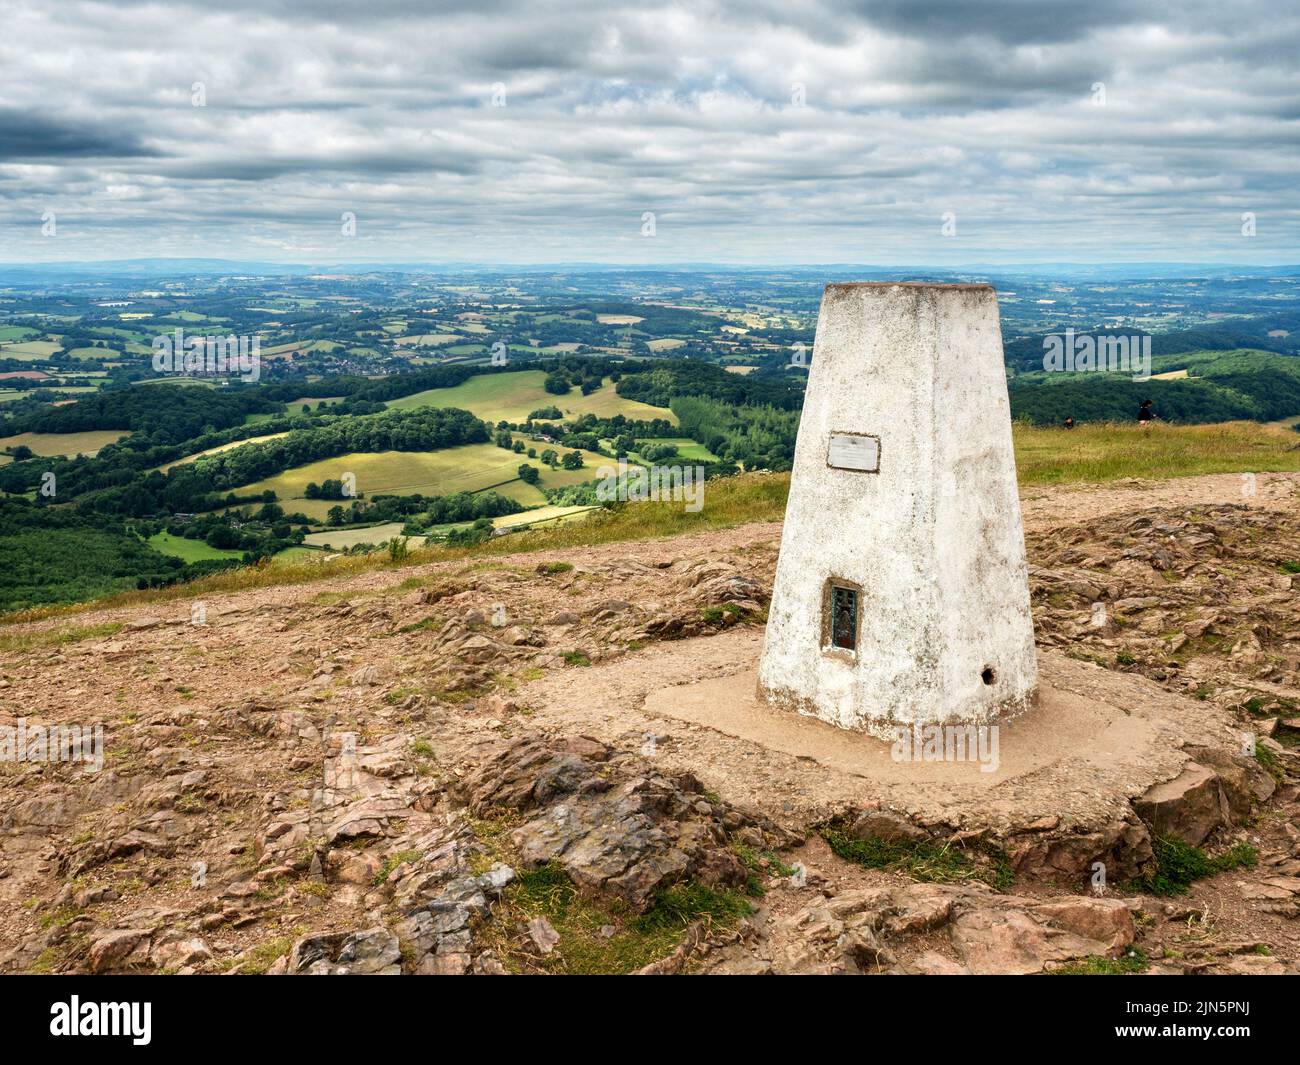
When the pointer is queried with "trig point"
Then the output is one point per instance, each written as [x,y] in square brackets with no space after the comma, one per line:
[901,593]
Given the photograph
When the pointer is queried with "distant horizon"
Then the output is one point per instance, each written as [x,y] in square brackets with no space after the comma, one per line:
[641,265]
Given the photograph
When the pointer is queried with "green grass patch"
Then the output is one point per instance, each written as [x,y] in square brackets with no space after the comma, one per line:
[393,861]
[760,866]
[188,550]
[1129,964]
[677,907]
[939,863]
[582,923]
[1179,864]
[263,956]
[1271,763]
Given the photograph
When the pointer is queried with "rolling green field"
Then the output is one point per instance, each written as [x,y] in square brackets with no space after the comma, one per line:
[29,351]
[687,450]
[95,353]
[205,382]
[429,338]
[315,402]
[524,493]
[87,443]
[311,345]
[471,468]
[513,396]
[542,516]
[338,539]
[188,550]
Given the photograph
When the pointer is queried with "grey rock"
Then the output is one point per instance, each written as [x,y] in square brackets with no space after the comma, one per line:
[543,935]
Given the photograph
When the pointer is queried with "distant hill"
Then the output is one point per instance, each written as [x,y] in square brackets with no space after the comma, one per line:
[1216,386]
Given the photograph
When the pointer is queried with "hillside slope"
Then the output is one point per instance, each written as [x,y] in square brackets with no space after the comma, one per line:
[438,768]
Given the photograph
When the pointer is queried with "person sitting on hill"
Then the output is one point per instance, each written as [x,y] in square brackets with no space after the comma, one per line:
[1068,423]
[1145,414]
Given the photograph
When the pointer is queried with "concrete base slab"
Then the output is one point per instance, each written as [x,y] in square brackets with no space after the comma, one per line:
[1062,725]
[1096,740]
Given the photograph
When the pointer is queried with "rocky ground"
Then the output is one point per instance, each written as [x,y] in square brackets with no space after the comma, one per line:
[351,776]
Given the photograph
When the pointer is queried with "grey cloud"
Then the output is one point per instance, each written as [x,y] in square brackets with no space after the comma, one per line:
[1007,21]
[29,137]
[612,109]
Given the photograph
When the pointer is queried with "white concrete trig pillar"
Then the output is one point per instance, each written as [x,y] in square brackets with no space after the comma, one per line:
[901,593]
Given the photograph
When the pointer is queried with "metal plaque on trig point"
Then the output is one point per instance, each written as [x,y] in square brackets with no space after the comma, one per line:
[851,451]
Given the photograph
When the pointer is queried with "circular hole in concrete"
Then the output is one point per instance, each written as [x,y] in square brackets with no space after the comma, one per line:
[987,675]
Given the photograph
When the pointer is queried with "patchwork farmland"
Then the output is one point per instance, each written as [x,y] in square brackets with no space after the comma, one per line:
[469,468]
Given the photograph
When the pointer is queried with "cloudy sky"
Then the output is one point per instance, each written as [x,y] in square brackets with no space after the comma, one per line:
[764,131]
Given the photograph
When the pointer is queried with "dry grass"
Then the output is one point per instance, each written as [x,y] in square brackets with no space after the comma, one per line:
[1101,452]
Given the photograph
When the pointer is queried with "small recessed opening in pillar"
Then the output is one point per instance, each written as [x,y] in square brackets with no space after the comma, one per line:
[988,675]
[844,617]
